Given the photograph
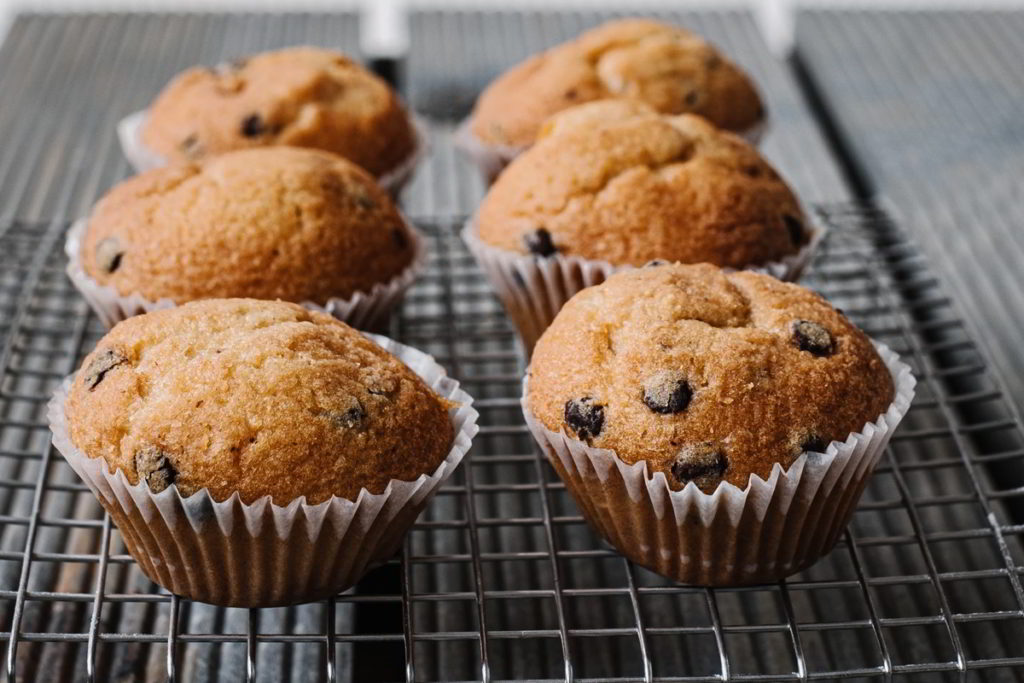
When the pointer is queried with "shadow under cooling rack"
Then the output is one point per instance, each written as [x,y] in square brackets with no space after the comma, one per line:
[501,578]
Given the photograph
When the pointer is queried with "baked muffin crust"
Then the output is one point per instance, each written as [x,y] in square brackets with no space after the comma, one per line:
[706,376]
[269,223]
[300,96]
[608,184]
[667,67]
[259,397]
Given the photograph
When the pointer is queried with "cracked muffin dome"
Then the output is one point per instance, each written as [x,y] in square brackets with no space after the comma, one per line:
[666,67]
[706,376]
[256,397]
[610,182]
[269,223]
[300,96]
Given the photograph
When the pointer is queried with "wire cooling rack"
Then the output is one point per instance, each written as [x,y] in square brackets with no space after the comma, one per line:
[501,578]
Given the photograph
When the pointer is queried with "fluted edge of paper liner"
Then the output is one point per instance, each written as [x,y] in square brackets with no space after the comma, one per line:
[759,534]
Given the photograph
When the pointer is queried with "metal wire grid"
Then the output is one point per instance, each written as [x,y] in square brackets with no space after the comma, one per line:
[928,105]
[501,579]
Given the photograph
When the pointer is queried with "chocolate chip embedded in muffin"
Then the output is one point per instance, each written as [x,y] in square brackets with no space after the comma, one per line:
[539,242]
[703,463]
[155,468]
[252,126]
[102,363]
[667,392]
[585,417]
[351,416]
[109,254]
[812,337]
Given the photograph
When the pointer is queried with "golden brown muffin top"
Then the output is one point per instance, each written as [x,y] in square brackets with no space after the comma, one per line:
[642,186]
[259,397]
[707,376]
[300,96]
[667,67]
[267,223]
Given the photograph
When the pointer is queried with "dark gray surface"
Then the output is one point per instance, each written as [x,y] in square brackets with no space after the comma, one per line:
[500,576]
[930,104]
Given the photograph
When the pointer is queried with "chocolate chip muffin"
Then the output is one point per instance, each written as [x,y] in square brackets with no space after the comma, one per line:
[269,223]
[255,397]
[706,376]
[300,96]
[666,67]
[614,183]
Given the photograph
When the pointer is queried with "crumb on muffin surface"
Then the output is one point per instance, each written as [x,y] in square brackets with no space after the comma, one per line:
[667,67]
[706,376]
[624,185]
[255,397]
[299,96]
[270,223]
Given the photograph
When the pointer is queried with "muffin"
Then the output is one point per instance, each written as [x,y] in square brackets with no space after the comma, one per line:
[675,399]
[300,96]
[609,186]
[268,223]
[666,67]
[246,409]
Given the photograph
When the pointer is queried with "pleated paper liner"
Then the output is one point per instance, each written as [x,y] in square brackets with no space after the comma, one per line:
[363,310]
[533,289]
[491,159]
[260,554]
[759,534]
[142,158]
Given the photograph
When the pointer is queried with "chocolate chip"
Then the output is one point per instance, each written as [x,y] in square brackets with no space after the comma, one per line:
[691,98]
[539,242]
[753,171]
[362,198]
[102,363]
[400,239]
[795,227]
[154,467]
[584,416]
[812,337]
[667,392]
[252,126]
[713,61]
[655,262]
[350,417]
[571,94]
[701,463]
[192,148]
[109,254]
[813,442]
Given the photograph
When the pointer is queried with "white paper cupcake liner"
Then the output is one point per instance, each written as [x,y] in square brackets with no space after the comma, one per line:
[261,554]
[759,534]
[491,159]
[142,158]
[364,310]
[533,289]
